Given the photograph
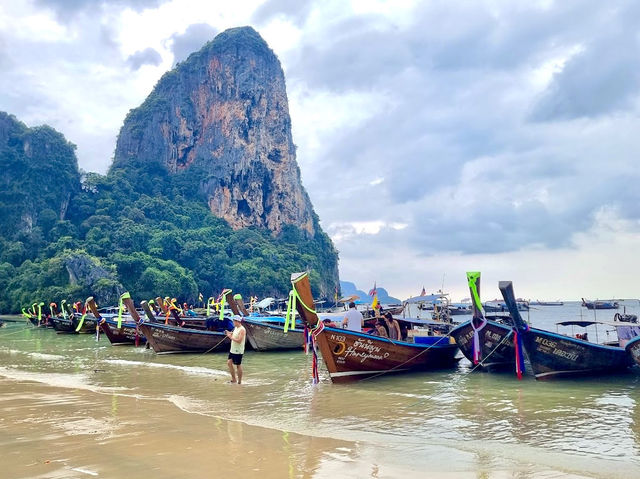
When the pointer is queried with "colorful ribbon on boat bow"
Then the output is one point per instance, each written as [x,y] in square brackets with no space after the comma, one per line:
[124,295]
[84,315]
[314,361]
[472,279]
[40,305]
[290,317]
[517,341]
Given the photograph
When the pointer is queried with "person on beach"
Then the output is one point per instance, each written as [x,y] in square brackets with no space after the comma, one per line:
[353,319]
[393,326]
[237,337]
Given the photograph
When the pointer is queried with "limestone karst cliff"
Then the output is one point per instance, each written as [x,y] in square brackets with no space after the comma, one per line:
[222,117]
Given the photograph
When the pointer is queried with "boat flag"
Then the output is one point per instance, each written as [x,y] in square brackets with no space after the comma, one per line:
[200,297]
[423,292]
[374,291]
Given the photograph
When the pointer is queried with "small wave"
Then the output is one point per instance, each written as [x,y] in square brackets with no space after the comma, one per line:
[84,471]
[52,357]
[75,381]
[196,370]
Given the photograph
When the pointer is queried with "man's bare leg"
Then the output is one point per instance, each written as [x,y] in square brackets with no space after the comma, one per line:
[233,373]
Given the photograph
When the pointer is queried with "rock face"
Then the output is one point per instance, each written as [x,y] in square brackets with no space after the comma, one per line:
[84,271]
[223,117]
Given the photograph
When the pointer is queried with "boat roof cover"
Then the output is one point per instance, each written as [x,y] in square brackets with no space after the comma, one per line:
[584,324]
[429,298]
[265,303]
[347,299]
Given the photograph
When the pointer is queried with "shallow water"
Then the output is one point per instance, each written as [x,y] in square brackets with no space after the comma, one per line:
[72,407]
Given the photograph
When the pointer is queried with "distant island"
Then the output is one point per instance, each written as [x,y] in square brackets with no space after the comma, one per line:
[348,289]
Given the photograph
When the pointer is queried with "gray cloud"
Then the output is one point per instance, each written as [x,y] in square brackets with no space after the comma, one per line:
[65,10]
[295,10]
[603,79]
[460,86]
[148,56]
[192,40]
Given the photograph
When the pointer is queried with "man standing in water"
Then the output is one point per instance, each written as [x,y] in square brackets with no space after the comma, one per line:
[237,337]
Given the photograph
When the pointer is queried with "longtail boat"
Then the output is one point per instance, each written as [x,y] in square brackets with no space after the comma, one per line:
[351,356]
[554,355]
[64,324]
[269,334]
[633,349]
[164,338]
[127,333]
[486,342]
[600,304]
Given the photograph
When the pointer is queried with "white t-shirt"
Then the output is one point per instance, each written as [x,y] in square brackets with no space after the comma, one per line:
[238,348]
[354,319]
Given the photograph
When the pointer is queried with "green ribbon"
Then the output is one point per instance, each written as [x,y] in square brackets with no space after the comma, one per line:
[222,301]
[82,319]
[40,305]
[295,291]
[125,295]
[25,314]
[291,312]
[472,278]
[62,307]
[209,305]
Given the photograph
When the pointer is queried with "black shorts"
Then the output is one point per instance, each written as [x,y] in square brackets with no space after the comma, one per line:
[236,358]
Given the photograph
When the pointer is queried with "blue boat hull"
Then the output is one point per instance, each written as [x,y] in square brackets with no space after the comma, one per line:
[553,355]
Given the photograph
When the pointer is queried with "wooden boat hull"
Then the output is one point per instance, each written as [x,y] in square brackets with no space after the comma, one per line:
[126,334]
[64,325]
[264,336]
[496,345]
[352,356]
[171,339]
[89,325]
[44,322]
[633,349]
[553,355]
[70,324]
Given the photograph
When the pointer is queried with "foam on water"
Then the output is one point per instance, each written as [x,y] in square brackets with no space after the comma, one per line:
[195,370]
[62,380]
[48,357]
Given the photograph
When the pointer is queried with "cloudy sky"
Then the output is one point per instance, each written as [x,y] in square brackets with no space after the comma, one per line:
[434,137]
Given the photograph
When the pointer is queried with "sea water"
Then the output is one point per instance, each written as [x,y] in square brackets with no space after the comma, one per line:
[72,407]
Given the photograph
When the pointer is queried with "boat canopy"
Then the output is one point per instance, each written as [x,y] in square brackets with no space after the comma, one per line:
[419,321]
[348,299]
[265,303]
[584,324]
[429,298]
